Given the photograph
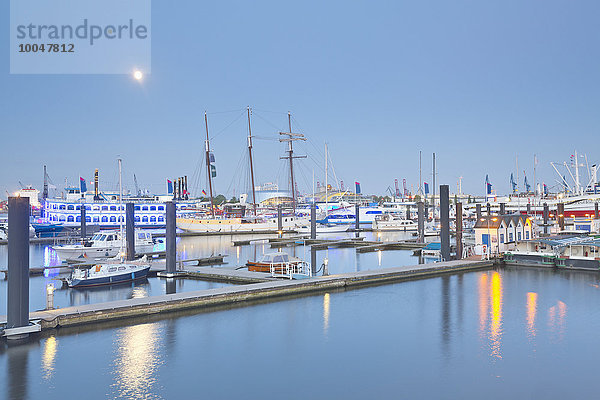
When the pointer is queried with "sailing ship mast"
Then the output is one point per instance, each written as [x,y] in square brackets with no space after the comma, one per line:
[120,206]
[251,164]
[326,186]
[291,137]
[208,166]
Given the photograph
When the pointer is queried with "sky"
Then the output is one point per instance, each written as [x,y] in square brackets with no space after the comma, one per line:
[480,83]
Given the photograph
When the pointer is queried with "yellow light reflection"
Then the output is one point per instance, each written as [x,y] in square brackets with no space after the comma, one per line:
[496,315]
[137,360]
[483,302]
[325,313]
[139,292]
[49,356]
[531,313]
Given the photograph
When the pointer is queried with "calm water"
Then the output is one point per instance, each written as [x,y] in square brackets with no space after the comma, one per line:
[341,260]
[498,334]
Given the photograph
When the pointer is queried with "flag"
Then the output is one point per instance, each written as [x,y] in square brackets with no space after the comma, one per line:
[357,187]
[488,185]
[545,190]
[82,185]
[169,187]
[426,187]
[203,193]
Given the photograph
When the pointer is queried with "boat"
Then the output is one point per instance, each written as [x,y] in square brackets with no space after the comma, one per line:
[106,274]
[273,262]
[322,228]
[394,222]
[432,250]
[103,245]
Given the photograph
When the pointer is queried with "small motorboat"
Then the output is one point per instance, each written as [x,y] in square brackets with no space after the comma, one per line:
[107,274]
[432,250]
[273,262]
[103,245]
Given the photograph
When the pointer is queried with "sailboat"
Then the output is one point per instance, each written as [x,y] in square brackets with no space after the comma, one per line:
[253,223]
[116,271]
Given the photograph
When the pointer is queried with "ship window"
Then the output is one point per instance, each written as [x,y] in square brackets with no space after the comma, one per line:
[96,219]
[88,208]
[104,208]
[62,218]
[121,218]
[113,208]
[112,269]
[161,219]
[88,219]
[141,235]
[277,259]
[145,219]
[113,219]
[54,206]
[102,238]
[152,208]
[61,207]
[78,208]
[96,208]
[145,208]
[105,219]
[70,218]
[70,207]
[161,208]
[153,219]
[136,208]
[78,219]
[122,268]
[137,218]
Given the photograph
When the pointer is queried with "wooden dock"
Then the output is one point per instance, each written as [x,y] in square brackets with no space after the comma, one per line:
[235,296]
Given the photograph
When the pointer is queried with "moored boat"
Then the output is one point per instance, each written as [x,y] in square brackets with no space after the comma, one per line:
[106,274]
[273,262]
[103,245]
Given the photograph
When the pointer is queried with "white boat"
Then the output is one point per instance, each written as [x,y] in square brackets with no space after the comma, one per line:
[103,245]
[321,228]
[239,225]
[107,274]
[394,222]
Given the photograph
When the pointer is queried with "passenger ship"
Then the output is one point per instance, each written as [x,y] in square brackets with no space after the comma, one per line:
[107,212]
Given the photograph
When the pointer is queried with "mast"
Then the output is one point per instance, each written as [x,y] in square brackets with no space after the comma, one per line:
[577,184]
[45,192]
[251,165]
[420,176]
[326,186]
[433,199]
[121,206]
[291,137]
[207,146]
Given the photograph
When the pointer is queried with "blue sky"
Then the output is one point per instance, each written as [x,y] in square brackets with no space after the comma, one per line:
[479,83]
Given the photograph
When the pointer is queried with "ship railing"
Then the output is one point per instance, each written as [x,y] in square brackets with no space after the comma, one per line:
[290,270]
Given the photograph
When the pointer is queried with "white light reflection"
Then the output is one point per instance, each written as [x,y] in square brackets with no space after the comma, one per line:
[137,361]
[49,356]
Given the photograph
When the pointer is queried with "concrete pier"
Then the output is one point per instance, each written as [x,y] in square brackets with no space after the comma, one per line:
[236,296]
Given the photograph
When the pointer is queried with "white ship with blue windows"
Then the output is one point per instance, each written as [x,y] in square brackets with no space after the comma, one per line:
[106,212]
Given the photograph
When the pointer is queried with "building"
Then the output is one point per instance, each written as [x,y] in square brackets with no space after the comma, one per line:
[500,233]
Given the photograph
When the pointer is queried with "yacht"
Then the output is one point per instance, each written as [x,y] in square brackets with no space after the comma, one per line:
[103,245]
[394,222]
[106,274]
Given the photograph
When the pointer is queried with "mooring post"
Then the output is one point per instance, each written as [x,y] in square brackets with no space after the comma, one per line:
[279,219]
[489,209]
[170,286]
[528,209]
[421,221]
[546,215]
[459,231]
[18,264]
[313,221]
[596,215]
[83,230]
[130,230]
[426,211]
[502,208]
[408,212]
[561,215]
[445,221]
[313,260]
[357,218]
[171,238]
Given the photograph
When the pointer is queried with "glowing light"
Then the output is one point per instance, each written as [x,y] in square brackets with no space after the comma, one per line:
[531,312]
[138,75]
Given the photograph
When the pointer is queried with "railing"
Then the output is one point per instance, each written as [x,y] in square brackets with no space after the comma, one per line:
[291,270]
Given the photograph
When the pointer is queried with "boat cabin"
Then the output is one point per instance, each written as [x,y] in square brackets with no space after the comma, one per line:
[275,258]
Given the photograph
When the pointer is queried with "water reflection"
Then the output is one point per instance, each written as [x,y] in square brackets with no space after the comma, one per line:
[49,356]
[531,313]
[490,311]
[170,287]
[557,319]
[137,361]
[326,314]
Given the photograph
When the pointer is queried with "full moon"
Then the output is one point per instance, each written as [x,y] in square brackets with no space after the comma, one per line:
[138,75]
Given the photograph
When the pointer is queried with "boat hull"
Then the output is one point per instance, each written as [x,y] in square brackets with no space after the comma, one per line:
[69,253]
[263,267]
[109,280]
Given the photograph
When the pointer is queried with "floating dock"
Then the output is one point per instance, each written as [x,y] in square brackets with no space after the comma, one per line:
[241,295]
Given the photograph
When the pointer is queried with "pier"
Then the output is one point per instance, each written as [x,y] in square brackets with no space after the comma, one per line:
[241,295]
